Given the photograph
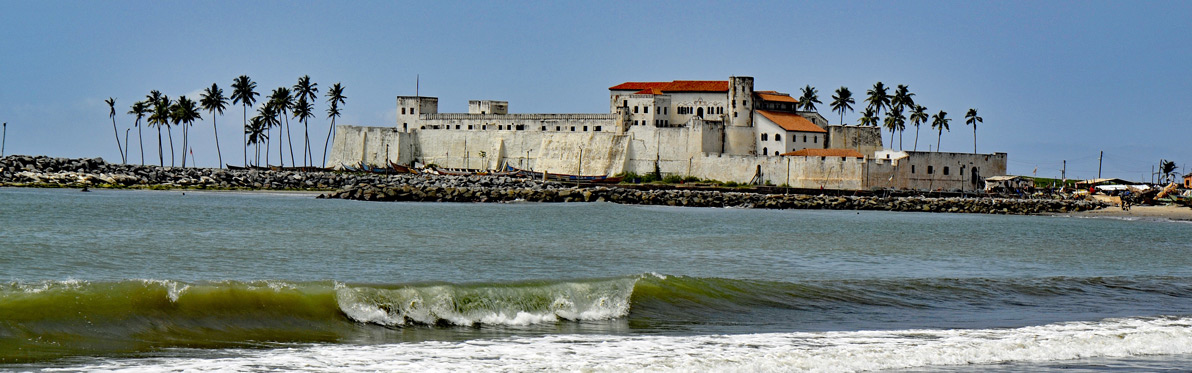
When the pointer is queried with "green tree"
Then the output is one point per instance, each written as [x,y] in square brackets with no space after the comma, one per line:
[213,101]
[842,101]
[972,119]
[303,110]
[939,122]
[809,99]
[903,98]
[268,114]
[868,117]
[918,116]
[282,102]
[185,112]
[244,93]
[256,133]
[112,114]
[139,109]
[160,118]
[335,97]
[1167,168]
[895,121]
[308,91]
[878,98]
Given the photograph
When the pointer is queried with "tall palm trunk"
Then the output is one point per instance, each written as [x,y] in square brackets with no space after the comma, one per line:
[161,159]
[974,139]
[119,148]
[328,141]
[937,139]
[268,145]
[170,131]
[306,140]
[141,139]
[288,138]
[245,107]
[916,139]
[217,151]
[185,132]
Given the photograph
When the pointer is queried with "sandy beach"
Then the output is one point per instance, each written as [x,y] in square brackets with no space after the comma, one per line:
[1156,212]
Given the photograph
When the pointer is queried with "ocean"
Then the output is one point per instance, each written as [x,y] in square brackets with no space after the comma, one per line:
[116,280]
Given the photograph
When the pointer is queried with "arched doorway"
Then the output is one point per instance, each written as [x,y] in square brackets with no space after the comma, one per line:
[699,113]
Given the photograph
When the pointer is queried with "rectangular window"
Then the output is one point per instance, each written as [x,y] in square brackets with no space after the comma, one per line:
[945,170]
[646,109]
[457,126]
[469,126]
[521,127]
[930,170]
[912,169]
[597,128]
[635,109]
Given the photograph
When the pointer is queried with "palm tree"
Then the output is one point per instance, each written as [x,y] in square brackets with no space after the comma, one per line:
[918,116]
[112,114]
[809,99]
[939,122]
[283,101]
[972,119]
[1166,168]
[894,120]
[139,109]
[268,114]
[185,112]
[878,98]
[256,133]
[213,100]
[309,91]
[160,117]
[303,110]
[868,117]
[903,98]
[841,101]
[335,97]
[244,93]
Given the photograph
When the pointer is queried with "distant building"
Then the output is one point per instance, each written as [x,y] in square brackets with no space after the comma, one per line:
[711,129]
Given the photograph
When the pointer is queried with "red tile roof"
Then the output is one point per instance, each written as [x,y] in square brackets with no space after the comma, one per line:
[812,152]
[675,86]
[791,122]
[637,86]
[774,96]
[649,91]
[697,86]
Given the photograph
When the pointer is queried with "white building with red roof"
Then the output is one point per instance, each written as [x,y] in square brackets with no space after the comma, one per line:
[711,129]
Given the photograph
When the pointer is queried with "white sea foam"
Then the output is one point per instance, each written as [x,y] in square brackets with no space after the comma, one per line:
[775,352]
[496,305]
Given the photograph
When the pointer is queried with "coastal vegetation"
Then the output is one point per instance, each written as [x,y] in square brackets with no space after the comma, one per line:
[283,103]
[878,101]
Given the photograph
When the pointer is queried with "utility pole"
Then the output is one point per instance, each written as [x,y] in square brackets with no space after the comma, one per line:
[1064,172]
[1099,158]
[3,138]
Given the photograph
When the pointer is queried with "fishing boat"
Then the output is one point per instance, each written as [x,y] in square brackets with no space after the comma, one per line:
[605,179]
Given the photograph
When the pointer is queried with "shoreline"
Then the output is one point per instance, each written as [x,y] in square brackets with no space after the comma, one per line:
[1165,212]
[45,172]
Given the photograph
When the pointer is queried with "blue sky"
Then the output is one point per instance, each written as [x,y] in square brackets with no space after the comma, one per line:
[1054,80]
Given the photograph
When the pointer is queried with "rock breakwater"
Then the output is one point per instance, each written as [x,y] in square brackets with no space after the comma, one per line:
[561,193]
[77,173]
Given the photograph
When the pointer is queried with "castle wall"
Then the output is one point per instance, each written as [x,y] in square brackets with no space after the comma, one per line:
[865,140]
[930,171]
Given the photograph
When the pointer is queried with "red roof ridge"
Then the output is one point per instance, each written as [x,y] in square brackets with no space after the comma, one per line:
[791,121]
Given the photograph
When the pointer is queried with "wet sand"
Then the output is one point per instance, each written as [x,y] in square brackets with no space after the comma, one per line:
[1179,213]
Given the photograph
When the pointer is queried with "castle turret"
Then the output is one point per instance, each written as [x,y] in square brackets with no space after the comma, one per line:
[410,107]
[740,96]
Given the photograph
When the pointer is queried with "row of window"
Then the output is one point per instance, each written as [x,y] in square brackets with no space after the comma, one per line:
[683,110]
[646,109]
[511,127]
[657,122]
[931,170]
[778,137]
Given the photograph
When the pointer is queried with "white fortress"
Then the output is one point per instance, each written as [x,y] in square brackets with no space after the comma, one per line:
[721,130]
